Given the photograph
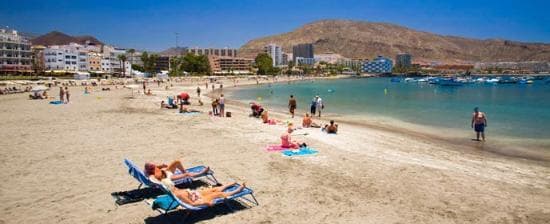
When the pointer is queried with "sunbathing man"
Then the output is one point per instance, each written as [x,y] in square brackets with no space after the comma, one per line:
[332,128]
[205,196]
[307,122]
[287,142]
[160,172]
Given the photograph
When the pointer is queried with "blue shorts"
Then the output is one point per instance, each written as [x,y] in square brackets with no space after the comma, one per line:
[479,127]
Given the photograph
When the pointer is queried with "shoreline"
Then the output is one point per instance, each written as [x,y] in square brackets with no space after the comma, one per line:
[413,130]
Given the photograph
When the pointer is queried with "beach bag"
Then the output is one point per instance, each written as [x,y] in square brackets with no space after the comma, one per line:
[228,114]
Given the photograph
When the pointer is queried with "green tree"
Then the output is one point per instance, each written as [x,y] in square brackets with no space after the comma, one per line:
[149,62]
[194,64]
[122,58]
[264,63]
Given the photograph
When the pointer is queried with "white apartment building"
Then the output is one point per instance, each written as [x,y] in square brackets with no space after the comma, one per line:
[68,58]
[276,54]
[15,52]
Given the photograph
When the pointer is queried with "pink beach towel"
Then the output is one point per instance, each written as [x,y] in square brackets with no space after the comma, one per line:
[275,148]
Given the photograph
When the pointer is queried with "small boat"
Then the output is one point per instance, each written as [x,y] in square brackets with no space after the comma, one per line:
[422,80]
[493,80]
[450,82]
[409,80]
[508,81]
[395,80]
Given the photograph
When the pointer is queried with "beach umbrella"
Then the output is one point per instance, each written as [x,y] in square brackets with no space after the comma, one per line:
[39,88]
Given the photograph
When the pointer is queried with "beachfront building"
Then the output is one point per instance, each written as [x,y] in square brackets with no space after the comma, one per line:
[403,60]
[15,52]
[330,58]
[276,54]
[38,60]
[302,51]
[163,63]
[229,65]
[72,57]
[221,52]
[377,65]
[305,61]
[94,62]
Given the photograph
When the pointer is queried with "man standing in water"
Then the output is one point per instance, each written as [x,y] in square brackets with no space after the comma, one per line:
[292,105]
[479,122]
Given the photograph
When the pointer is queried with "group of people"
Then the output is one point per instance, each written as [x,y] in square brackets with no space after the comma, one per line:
[218,106]
[12,90]
[64,94]
[168,174]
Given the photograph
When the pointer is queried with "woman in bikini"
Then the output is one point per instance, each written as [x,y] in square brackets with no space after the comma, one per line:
[205,196]
[163,171]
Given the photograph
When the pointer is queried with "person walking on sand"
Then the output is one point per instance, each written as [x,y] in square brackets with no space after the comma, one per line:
[479,122]
[319,104]
[144,87]
[67,94]
[198,91]
[292,105]
[61,94]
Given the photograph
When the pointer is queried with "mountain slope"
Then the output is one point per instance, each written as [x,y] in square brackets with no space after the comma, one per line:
[355,39]
[59,38]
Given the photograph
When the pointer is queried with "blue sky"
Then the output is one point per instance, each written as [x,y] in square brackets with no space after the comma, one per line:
[151,25]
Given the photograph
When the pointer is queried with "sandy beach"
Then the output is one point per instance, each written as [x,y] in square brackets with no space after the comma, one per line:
[60,164]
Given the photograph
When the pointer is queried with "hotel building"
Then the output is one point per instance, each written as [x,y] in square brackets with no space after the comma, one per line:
[15,52]
[229,65]
[221,52]
[303,51]
[276,54]
[378,65]
[403,60]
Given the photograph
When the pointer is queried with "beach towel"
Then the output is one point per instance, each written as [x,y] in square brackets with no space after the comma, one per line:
[189,113]
[275,148]
[165,202]
[300,152]
[56,102]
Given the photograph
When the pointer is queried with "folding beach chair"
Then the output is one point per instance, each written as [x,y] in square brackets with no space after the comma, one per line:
[168,202]
[135,172]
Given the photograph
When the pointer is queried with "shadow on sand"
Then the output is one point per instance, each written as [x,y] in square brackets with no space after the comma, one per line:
[183,216]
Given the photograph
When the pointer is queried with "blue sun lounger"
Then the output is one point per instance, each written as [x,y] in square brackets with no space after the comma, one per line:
[168,202]
[135,172]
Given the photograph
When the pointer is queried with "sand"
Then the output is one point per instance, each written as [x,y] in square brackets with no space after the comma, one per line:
[61,163]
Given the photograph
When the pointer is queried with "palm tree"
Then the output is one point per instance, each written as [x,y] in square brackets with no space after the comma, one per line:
[122,58]
[131,51]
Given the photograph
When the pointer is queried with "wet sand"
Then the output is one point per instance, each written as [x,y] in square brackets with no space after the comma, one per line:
[60,164]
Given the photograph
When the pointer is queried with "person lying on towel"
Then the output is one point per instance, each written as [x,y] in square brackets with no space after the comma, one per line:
[163,171]
[203,196]
[287,142]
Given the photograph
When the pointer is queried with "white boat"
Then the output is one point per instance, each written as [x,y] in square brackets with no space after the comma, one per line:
[493,80]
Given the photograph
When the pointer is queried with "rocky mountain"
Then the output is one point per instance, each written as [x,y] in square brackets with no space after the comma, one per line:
[59,38]
[355,39]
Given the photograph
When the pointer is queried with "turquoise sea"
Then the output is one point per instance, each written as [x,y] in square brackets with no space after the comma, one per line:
[518,111]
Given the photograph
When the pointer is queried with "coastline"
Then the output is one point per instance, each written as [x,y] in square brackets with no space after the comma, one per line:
[455,139]
[360,175]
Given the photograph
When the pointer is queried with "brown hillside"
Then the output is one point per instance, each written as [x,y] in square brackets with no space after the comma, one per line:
[355,39]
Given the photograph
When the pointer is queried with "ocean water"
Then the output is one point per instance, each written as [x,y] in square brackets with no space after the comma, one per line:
[519,111]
